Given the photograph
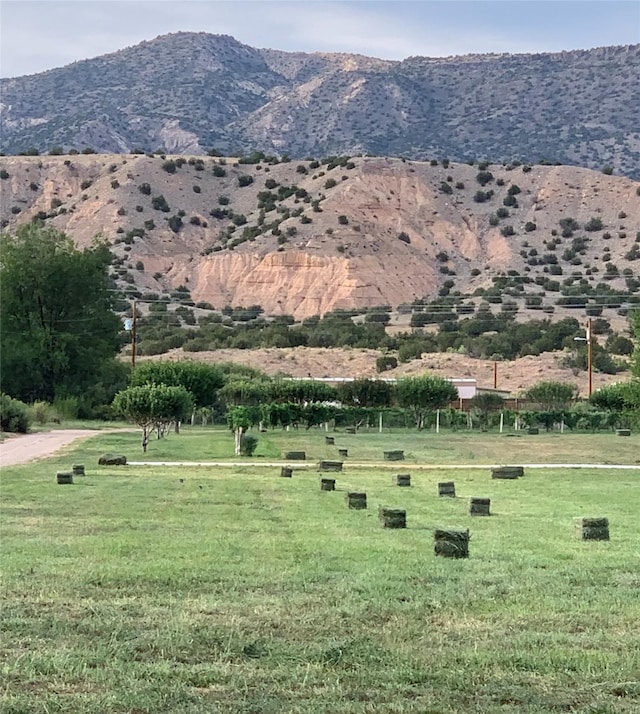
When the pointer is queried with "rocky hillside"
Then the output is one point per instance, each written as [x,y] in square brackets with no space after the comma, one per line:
[307,237]
[190,92]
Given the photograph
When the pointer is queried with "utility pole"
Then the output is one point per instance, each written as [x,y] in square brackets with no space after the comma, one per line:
[133,336]
[590,356]
[589,340]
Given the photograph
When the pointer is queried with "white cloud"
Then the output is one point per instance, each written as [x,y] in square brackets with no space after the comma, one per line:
[42,34]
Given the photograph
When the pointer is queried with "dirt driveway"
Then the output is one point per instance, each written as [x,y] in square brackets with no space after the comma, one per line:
[29,447]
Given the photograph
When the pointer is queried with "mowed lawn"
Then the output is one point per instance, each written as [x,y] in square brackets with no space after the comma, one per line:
[236,590]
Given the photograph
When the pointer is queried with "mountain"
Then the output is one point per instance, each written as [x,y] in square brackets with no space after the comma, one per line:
[191,92]
[307,237]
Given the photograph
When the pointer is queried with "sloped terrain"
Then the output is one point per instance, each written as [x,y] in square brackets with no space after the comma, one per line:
[189,92]
[305,237]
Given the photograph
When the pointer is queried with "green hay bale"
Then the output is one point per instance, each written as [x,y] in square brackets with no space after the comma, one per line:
[447,488]
[623,432]
[480,506]
[592,528]
[343,453]
[112,460]
[403,479]
[295,455]
[330,466]
[451,544]
[327,484]
[356,500]
[78,470]
[63,477]
[396,455]
[329,440]
[286,472]
[509,472]
[392,517]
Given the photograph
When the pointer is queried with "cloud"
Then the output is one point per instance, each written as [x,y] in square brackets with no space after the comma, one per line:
[42,34]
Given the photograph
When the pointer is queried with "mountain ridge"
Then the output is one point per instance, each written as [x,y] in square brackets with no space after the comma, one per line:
[190,92]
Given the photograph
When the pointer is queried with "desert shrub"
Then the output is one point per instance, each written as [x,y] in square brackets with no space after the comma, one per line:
[14,415]
[385,362]
[248,444]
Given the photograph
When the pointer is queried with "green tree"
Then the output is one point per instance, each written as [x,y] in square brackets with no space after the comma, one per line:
[59,334]
[201,380]
[424,394]
[153,406]
[552,395]
[366,393]
[487,402]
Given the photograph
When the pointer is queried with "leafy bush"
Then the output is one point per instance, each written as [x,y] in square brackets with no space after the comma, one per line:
[385,362]
[160,203]
[484,177]
[14,416]
[248,444]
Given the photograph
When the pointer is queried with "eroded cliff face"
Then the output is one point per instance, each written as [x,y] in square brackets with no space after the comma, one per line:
[380,232]
[300,284]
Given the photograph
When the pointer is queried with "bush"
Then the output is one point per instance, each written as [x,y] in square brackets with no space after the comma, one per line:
[484,177]
[248,444]
[14,416]
[245,180]
[385,362]
[40,412]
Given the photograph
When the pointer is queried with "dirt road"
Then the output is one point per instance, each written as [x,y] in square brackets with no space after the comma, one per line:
[29,447]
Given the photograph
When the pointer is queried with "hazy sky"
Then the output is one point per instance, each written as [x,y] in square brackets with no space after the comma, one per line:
[36,35]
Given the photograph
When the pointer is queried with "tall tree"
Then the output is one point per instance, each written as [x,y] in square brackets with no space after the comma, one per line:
[153,406]
[552,395]
[424,394]
[58,329]
[200,379]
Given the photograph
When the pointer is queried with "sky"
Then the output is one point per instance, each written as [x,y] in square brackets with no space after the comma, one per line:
[36,35]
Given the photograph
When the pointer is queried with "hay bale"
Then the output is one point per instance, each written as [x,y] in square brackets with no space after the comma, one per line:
[480,507]
[403,479]
[507,471]
[533,431]
[451,544]
[295,455]
[356,500]
[349,430]
[396,455]
[112,460]
[330,466]
[447,488]
[593,528]
[64,477]
[286,472]
[327,484]
[623,432]
[343,453]
[329,440]
[392,517]
[78,470]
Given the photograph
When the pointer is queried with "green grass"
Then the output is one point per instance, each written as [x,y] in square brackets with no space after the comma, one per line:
[198,444]
[240,591]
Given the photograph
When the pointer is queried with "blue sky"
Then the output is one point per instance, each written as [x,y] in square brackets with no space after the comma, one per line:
[36,35]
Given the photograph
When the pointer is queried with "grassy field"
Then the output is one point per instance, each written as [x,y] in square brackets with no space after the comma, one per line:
[239,591]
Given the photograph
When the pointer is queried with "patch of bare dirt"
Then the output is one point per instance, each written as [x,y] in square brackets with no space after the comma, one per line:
[515,376]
